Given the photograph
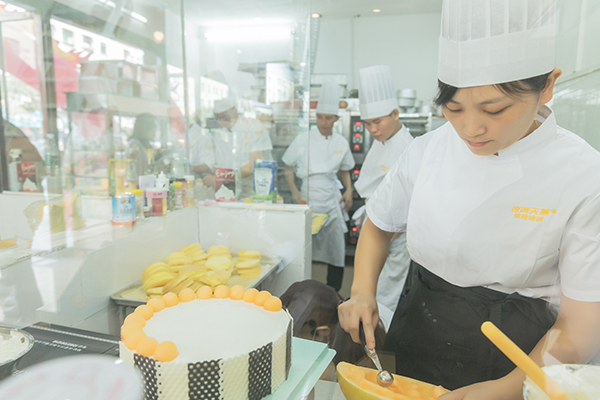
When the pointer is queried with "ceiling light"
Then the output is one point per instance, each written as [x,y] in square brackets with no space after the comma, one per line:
[246,34]
[158,36]
[376,10]
[315,15]
[139,17]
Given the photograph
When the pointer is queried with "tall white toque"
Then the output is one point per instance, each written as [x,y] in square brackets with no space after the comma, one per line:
[224,104]
[329,99]
[376,92]
[486,42]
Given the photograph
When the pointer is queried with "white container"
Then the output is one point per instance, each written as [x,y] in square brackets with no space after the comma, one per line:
[407,93]
[162,182]
[406,102]
[578,382]
[189,190]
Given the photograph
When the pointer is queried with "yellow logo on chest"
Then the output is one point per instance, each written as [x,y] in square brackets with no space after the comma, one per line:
[532,214]
[384,168]
[339,152]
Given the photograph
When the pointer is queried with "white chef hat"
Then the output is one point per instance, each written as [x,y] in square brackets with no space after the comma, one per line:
[376,92]
[486,42]
[329,99]
[224,104]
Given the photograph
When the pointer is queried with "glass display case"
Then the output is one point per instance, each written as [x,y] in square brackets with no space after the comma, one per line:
[101,99]
[195,103]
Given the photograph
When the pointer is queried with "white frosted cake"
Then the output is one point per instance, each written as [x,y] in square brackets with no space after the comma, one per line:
[230,344]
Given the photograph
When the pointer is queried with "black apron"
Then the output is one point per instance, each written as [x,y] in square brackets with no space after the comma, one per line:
[436,331]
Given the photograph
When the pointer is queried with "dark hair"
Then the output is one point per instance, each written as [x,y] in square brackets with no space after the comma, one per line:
[512,89]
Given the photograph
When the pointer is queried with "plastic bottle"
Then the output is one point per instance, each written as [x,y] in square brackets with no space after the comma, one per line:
[199,191]
[179,195]
[171,197]
[150,163]
[189,190]
[139,203]
[162,182]
[157,200]
[14,170]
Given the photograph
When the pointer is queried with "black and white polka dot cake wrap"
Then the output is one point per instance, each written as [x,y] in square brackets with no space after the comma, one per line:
[252,375]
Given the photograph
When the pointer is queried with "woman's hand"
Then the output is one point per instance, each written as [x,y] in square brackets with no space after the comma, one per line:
[296,196]
[361,307]
[209,180]
[347,200]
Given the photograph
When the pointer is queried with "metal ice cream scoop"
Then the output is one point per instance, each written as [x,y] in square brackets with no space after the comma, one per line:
[384,378]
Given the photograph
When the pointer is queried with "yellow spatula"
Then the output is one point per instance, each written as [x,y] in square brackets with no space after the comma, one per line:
[523,361]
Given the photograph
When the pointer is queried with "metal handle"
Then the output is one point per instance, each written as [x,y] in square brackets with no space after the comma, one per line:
[372,354]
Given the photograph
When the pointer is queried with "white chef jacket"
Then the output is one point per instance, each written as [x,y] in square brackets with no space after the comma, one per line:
[317,160]
[202,147]
[526,221]
[233,147]
[380,158]
[325,156]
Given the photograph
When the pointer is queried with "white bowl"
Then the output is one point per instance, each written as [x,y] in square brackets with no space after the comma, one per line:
[576,381]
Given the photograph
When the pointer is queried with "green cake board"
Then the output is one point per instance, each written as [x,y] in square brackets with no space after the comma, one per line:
[309,361]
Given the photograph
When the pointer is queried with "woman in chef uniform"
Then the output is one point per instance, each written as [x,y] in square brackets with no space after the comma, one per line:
[318,160]
[379,111]
[501,208]
[239,143]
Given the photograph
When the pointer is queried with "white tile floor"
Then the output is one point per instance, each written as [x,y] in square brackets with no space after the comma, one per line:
[319,273]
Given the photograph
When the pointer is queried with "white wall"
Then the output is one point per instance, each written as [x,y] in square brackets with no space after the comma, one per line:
[407,43]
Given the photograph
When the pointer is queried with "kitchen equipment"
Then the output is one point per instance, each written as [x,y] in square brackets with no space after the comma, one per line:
[404,102]
[14,344]
[407,93]
[426,109]
[384,378]
[406,97]
[522,360]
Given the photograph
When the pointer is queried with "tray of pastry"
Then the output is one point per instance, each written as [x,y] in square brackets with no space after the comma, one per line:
[191,268]
[318,222]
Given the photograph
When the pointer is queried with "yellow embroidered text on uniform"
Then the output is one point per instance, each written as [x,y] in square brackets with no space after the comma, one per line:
[531,213]
[384,168]
[338,152]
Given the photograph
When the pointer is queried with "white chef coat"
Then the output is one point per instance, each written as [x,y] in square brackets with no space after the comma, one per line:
[233,147]
[526,221]
[202,147]
[379,160]
[317,160]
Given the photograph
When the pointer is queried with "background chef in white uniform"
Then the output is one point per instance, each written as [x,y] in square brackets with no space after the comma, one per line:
[239,143]
[325,155]
[202,154]
[501,208]
[379,111]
